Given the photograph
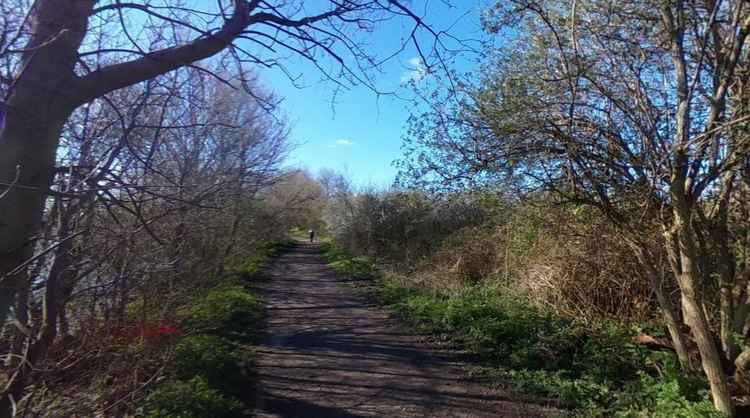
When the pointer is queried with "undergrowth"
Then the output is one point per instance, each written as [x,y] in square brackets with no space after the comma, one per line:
[254,265]
[595,372]
[341,262]
[190,399]
[227,311]
[210,364]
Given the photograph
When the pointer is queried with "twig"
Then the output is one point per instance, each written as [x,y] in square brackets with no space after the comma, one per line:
[122,399]
[14,182]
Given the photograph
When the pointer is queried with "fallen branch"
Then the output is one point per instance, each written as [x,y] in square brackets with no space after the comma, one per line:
[653,343]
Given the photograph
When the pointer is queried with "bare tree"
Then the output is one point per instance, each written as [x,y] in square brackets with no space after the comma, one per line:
[638,109]
[151,192]
[51,76]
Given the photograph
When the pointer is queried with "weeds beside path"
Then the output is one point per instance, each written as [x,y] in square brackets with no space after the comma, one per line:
[209,371]
[589,371]
[328,353]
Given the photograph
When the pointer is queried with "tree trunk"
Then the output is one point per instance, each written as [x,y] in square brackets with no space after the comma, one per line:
[670,314]
[718,227]
[683,257]
[231,242]
[22,316]
[42,98]
[742,369]
[63,324]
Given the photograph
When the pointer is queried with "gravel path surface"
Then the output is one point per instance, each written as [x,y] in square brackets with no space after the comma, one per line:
[329,353]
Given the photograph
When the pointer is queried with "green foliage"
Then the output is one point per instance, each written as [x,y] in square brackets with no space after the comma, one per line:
[333,252]
[597,371]
[194,398]
[403,226]
[357,267]
[666,397]
[668,394]
[207,364]
[347,265]
[228,311]
[253,266]
[585,393]
[210,357]
[510,333]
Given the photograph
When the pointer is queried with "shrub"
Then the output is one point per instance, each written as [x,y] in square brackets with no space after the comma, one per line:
[273,248]
[471,253]
[508,332]
[228,311]
[253,266]
[357,267]
[333,253]
[210,357]
[668,398]
[192,399]
[342,262]
[671,393]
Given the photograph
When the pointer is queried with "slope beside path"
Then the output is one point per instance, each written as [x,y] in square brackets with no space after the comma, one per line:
[329,353]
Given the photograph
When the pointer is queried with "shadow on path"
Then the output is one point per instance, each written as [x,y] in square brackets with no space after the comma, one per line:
[329,353]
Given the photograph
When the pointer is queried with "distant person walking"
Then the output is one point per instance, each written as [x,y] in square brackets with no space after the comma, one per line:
[312,235]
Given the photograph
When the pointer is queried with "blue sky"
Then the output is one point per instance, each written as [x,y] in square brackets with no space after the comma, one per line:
[354,130]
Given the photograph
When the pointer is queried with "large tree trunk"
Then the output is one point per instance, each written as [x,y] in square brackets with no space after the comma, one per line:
[683,258]
[27,153]
[42,98]
[57,291]
[742,369]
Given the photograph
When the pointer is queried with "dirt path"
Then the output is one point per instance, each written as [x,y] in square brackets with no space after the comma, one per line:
[328,353]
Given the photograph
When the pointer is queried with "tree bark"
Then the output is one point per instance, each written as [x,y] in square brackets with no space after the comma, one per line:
[683,257]
[42,98]
[742,369]
[718,228]
[22,316]
[670,314]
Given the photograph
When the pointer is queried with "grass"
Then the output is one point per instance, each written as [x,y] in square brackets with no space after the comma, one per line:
[594,372]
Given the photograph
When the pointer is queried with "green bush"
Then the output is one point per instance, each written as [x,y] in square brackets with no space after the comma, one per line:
[208,363]
[229,312]
[664,398]
[357,267]
[342,262]
[671,393]
[192,399]
[273,248]
[210,357]
[333,253]
[586,393]
[253,266]
[510,333]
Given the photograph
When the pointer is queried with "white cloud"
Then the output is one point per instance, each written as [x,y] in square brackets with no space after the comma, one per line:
[416,71]
[342,143]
